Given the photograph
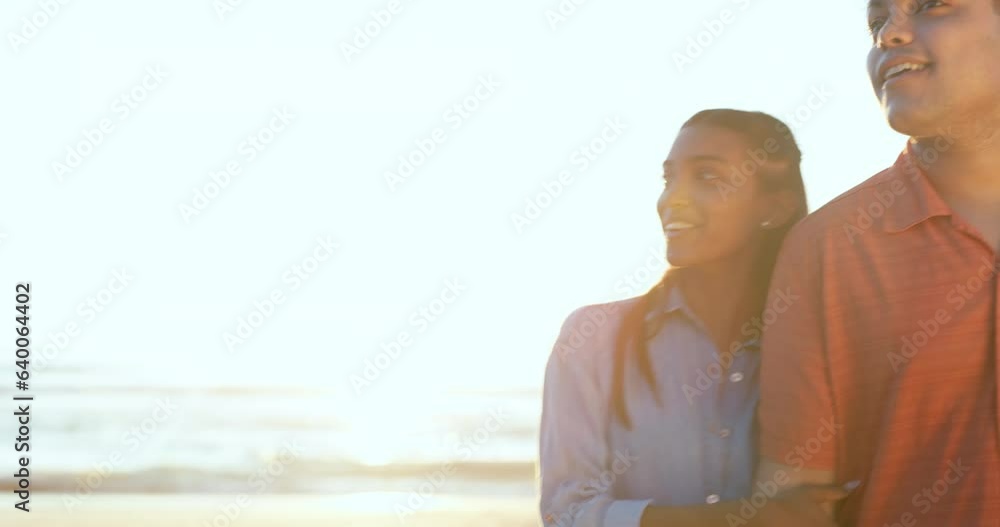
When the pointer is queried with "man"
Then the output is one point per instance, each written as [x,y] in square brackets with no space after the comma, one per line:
[885,369]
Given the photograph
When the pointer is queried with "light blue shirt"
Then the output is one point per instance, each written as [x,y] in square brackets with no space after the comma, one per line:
[698,447]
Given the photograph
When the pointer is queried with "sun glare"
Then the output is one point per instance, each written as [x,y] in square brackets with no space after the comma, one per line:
[380,425]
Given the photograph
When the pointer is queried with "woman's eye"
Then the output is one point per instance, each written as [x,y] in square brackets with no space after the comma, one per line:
[707,175]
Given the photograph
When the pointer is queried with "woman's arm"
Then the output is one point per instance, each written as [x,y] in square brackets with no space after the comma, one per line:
[805,505]
[693,516]
[574,454]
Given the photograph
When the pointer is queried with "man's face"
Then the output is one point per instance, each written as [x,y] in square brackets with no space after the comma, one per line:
[935,64]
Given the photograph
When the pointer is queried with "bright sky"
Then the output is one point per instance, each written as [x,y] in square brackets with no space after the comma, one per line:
[323,175]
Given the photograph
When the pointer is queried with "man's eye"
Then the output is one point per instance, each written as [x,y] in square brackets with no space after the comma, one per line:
[930,4]
[876,25]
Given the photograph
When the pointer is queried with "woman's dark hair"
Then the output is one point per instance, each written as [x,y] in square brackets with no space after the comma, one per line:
[780,172]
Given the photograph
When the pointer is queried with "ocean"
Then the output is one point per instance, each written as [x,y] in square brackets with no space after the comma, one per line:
[100,432]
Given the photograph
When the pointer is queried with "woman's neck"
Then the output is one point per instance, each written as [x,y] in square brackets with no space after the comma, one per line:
[722,295]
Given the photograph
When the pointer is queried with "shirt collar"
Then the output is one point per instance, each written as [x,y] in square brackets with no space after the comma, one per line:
[919,201]
[669,299]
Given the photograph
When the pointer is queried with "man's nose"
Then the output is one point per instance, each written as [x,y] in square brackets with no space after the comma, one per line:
[898,29]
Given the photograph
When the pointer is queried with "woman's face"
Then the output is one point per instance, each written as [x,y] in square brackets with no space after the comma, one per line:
[710,208]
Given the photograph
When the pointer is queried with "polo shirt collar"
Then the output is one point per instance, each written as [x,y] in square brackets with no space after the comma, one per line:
[919,202]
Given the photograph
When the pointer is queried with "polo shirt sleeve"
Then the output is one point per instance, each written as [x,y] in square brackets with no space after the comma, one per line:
[796,404]
[574,450]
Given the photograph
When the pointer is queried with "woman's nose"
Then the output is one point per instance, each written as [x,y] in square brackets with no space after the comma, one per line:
[678,194]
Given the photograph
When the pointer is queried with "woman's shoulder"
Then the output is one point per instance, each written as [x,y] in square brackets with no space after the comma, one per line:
[612,311]
[589,331]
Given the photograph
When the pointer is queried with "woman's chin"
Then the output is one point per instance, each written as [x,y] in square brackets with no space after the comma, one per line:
[681,258]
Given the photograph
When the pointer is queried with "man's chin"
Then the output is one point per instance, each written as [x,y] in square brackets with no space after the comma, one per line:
[911,119]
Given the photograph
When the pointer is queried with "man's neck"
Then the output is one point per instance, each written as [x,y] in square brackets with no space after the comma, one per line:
[965,170]
[964,164]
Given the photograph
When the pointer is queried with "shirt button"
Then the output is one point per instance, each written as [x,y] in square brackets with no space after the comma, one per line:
[712,499]
[724,433]
[735,377]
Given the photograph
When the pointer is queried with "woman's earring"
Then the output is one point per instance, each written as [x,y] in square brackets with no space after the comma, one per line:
[766,224]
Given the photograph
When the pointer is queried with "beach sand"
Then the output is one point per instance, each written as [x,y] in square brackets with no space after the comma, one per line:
[295,510]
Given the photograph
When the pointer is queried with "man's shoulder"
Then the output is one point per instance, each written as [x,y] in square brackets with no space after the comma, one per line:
[854,211]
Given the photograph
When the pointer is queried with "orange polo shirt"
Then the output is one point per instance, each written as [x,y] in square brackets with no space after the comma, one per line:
[884,369]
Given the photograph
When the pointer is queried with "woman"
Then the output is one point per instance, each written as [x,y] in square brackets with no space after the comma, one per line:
[648,411]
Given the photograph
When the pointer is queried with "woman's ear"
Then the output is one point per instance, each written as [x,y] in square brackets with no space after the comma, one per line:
[781,208]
